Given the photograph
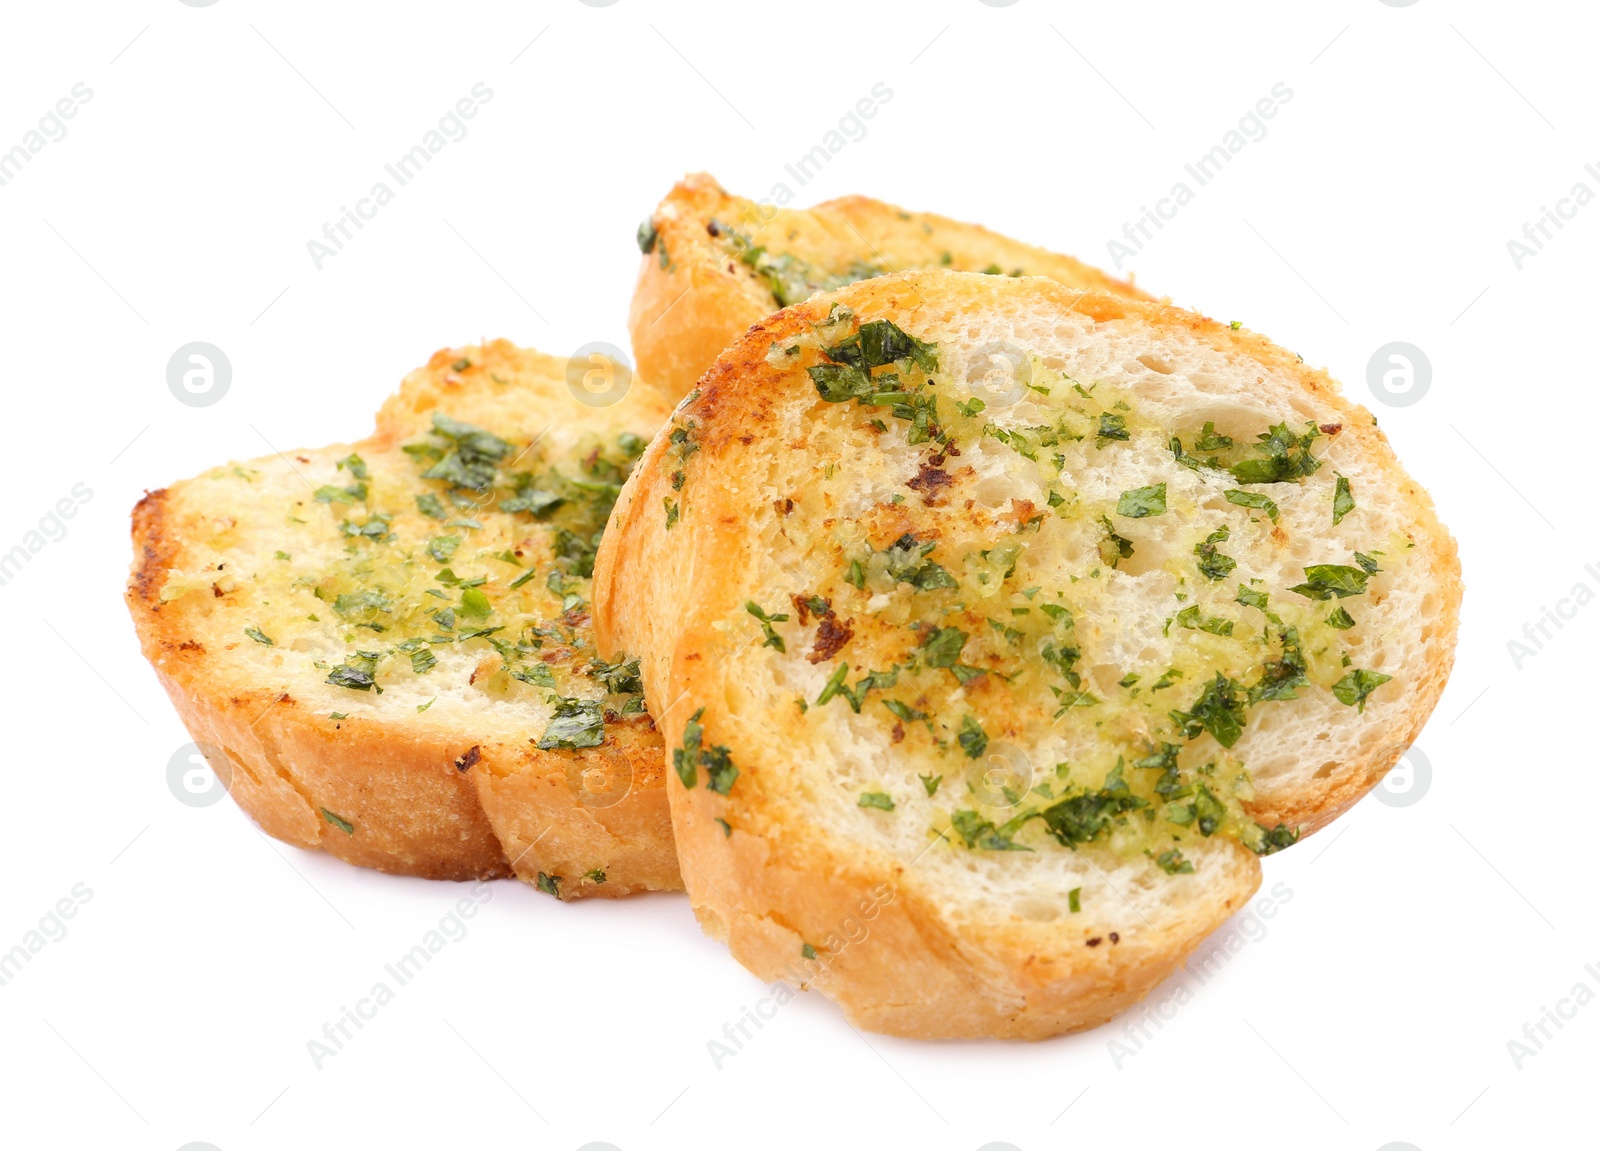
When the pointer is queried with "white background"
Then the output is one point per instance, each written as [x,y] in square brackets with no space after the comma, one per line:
[1375,1005]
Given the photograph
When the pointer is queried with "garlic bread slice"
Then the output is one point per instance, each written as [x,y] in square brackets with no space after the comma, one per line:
[384,647]
[996,628]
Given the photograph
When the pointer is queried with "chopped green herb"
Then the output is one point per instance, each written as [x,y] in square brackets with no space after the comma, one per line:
[972,737]
[1141,502]
[549,884]
[1111,427]
[1074,905]
[328,494]
[1191,618]
[1173,863]
[1213,564]
[1249,597]
[930,783]
[1355,687]
[941,647]
[1081,818]
[1326,581]
[1114,548]
[441,548]
[340,822]
[1343,502]
[717,760]
[1252,500]
[1209,441]
[1220,710]
[576,723]
[877,799]
[428,504]
[905,563]
[901,711]
[773,639]
[1340,619]
[975,831]
[259,636]
[474,604]
[1285,457]
[472,456]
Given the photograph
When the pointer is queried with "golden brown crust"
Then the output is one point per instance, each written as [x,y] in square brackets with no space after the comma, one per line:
[758,873]
[428,800]
[692,299]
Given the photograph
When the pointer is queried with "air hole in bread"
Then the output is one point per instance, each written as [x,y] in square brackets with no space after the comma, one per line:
[1156,363]
[1327,769]
[1038,910]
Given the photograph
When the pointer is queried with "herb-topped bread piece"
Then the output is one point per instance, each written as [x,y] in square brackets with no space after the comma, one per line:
[715,263]
[386,645]
[1012,623]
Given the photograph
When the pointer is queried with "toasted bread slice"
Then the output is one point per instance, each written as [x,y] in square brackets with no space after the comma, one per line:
[997,627]
[715,263]
[398,669]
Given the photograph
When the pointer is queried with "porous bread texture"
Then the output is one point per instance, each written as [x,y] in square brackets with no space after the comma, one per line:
[780,490]
[696,293]
[439,774]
